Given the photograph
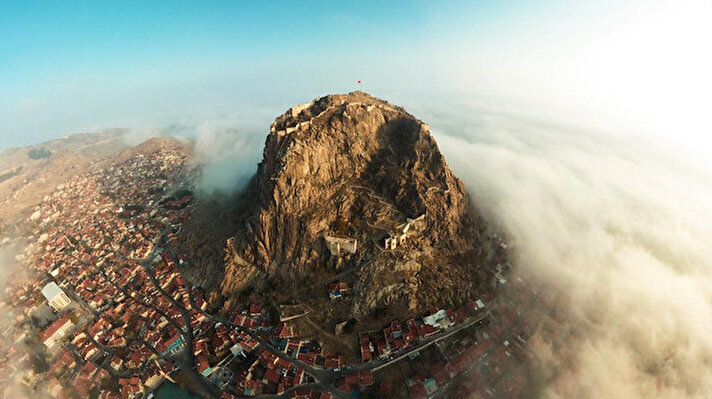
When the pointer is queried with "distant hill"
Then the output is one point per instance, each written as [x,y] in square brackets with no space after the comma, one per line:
[29,173]
[92,145]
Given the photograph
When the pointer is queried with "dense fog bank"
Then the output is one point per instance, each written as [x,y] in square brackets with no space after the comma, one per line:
[620,225]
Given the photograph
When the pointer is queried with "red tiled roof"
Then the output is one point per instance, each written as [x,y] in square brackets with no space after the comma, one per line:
[49,331]
[272,376]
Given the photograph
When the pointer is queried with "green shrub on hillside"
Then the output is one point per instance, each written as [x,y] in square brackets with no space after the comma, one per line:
[39,153]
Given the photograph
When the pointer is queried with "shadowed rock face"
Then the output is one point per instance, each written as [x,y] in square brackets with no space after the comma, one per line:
[358,167]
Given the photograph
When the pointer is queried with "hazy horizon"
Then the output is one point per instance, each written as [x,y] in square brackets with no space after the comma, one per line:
[635,68]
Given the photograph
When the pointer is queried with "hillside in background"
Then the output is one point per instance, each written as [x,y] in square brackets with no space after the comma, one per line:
[29,173]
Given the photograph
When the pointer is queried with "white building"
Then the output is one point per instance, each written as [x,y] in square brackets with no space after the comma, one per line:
[393,241]
[396,239]
[438,319]
[55,296]
[336,245]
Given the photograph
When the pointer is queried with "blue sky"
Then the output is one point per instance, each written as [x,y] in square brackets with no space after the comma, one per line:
[79,66]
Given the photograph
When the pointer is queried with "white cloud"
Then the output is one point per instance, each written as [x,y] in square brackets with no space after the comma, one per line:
[622,226]
[228,156]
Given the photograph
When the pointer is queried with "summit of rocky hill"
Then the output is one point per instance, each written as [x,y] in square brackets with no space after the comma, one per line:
[354,190]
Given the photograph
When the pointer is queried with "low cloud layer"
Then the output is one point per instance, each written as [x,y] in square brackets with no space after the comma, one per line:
[10,272]
[228,156]
[622,227]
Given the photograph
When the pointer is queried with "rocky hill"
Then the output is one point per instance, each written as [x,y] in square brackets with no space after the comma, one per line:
[352,188]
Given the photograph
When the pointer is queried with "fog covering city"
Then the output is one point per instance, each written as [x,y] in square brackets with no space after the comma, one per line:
[618,225]
[622,228]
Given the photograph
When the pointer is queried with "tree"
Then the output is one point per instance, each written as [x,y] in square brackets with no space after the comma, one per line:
[39,153]
[39,364]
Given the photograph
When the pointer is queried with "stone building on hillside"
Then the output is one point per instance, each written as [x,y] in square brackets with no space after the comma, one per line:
[401,233]
[336,245]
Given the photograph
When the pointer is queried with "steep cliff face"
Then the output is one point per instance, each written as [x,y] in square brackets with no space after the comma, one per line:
[357,168]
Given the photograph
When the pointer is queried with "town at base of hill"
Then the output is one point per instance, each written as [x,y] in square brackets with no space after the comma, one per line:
[107,298]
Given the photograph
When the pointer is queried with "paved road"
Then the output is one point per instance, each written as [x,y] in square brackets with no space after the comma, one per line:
[477,365]
[375,365]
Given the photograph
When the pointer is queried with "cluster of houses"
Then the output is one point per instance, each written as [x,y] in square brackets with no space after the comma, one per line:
[109,326]
[399,337]
[98,247]
[261,371]
[490,362]
[106,301]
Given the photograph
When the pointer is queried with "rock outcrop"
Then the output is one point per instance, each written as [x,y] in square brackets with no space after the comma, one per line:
[357,168]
